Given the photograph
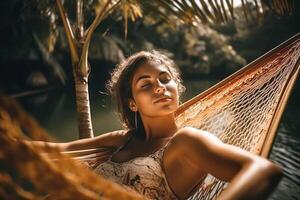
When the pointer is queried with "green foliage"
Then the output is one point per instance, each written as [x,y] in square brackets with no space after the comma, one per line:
[105,48]
[199,50]
[255,38]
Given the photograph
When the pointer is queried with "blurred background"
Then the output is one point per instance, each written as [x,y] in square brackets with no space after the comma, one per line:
[36,67]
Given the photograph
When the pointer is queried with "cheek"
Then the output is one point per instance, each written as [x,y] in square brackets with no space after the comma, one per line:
[142,98]
[173,87]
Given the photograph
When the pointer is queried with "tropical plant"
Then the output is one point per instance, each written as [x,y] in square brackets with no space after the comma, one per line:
[79,38]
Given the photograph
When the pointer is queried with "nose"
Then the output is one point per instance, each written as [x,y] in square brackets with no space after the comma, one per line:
[160,88]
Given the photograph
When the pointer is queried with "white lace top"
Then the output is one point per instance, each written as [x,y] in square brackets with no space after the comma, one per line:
[143,174]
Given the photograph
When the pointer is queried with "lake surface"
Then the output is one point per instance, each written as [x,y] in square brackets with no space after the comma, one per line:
[56,112]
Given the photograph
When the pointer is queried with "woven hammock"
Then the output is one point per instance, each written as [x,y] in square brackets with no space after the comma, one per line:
[243,110]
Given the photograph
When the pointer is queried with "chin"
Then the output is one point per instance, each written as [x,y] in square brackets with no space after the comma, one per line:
[166,110]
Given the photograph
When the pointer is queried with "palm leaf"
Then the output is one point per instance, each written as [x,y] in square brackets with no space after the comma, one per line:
[218,11]
[56,68]
[108,50]
[132,9]
[201,14]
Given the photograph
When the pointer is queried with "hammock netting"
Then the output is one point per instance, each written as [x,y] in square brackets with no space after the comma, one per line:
[243,110]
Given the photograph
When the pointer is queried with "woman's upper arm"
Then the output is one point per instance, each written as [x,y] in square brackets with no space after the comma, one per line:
[212,155]
[110,139]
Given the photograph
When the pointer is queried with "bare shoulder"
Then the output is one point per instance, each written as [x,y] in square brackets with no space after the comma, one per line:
[188,141]
[204,147]
[113,138]
[197,146]
[116,138]
[193,136]
[192,141]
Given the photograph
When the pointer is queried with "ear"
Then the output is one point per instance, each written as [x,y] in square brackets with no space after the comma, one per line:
[132,105]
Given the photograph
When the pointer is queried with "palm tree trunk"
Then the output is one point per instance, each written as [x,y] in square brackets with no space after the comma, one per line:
[83,108]
[76,42]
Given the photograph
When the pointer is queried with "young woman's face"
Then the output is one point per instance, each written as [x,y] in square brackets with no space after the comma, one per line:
[154,90]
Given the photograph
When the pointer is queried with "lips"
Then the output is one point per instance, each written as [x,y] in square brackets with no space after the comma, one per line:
[163,99]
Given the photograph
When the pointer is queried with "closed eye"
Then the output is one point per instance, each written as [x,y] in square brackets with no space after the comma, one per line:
[166,80]
[145,85]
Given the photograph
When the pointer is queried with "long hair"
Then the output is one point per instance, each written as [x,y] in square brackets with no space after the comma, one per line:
[119,86]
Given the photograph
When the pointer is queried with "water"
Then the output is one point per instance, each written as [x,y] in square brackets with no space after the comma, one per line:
[57,113]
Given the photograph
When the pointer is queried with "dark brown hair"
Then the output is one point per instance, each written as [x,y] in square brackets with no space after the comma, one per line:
[119,85]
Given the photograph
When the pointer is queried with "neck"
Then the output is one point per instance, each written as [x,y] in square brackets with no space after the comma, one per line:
[159,127]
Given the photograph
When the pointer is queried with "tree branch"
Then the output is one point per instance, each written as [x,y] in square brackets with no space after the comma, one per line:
[100,16]
[70,36]
[79,20]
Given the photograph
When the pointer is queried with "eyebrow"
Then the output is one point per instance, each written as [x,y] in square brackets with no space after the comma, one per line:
[147,76]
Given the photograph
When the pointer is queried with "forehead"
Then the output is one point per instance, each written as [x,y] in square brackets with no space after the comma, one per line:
[149,69]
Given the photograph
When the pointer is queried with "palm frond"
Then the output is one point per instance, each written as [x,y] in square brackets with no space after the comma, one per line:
[219,11]
[56,68]
[202,16]
[132,9]
[245,10]
[108,50]
[282,7]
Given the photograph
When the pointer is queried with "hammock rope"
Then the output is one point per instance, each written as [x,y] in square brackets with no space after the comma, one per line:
[244,109]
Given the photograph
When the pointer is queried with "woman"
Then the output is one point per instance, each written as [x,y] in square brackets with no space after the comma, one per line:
[156,158]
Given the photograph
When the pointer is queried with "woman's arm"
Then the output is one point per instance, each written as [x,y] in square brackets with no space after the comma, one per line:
[256,180]
[250,176]
[111,139]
